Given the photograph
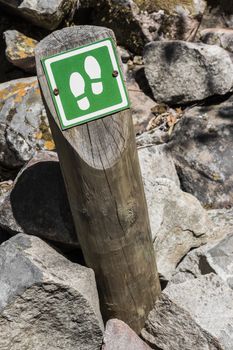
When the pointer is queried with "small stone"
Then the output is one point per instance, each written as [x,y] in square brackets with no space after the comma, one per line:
[46,14]
[119,336]
[22,121]
[20,50]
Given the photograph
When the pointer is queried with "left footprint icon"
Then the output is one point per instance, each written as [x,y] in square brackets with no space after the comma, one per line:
[77,87]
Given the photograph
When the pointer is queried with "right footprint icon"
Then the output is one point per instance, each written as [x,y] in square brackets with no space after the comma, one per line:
[93,70]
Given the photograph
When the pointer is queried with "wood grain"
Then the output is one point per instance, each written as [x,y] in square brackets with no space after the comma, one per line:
[100,166]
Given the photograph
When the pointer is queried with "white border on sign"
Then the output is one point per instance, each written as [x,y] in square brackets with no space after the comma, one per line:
[65,55]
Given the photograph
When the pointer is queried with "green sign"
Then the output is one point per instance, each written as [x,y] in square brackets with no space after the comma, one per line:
[86,83]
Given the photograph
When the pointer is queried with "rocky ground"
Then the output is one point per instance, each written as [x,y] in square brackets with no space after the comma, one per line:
[177,60]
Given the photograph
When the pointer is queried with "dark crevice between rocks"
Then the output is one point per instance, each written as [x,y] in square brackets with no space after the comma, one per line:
[7,173]
[225,6]
[204,266]
[143,82]
[39,202]
[4,235]
[207,102]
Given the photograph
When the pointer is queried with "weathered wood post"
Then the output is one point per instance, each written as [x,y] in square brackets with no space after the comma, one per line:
[100,166]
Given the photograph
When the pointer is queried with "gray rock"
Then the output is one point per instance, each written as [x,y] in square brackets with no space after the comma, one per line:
[24,127]
[202,147]
[141,105]
[178,223]
[43,13]
[5,187]
[20,50]
[197,314]
[46,302]
[215,257]
[119,336]
[152,137]
[222,37]
[181,72]
[37,202]
[222,219]
[156,162]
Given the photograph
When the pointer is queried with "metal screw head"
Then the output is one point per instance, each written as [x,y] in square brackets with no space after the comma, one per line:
[115,73]
[56,92]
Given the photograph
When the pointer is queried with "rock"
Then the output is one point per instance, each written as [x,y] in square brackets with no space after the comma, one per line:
[46,14]
[156,162]
[222,219]
[37,203]
[180,72]
[24,127]
[125,17]
[215,257]
[141,105]
[5,187]
[222,37]
[178,223]
[197,314]
[119,336]
[202,146]
[46,302]
[152,137]
[20,50]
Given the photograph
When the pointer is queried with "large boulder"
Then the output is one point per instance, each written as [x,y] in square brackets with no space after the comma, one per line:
[197,314]
[175,230]
[179,72]
[178,223]
[43,13]
[24,127]
[37,203]
[46,302]
[202,147]
[119,336]
[20,50]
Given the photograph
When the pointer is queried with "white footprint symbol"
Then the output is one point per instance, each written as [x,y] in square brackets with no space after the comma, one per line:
[77,83]
[93,70]
[77,87]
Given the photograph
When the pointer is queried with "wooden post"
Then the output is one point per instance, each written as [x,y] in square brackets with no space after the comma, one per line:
[100,166]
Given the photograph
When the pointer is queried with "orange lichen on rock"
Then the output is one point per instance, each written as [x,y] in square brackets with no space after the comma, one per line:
[21,47]
[18,90]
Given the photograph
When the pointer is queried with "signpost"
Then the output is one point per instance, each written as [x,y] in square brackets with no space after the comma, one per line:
[100,166]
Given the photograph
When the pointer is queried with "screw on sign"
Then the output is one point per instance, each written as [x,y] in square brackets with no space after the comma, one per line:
[81,82]
[90,85]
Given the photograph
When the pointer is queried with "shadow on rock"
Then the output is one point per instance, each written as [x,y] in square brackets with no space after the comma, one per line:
[38,204]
